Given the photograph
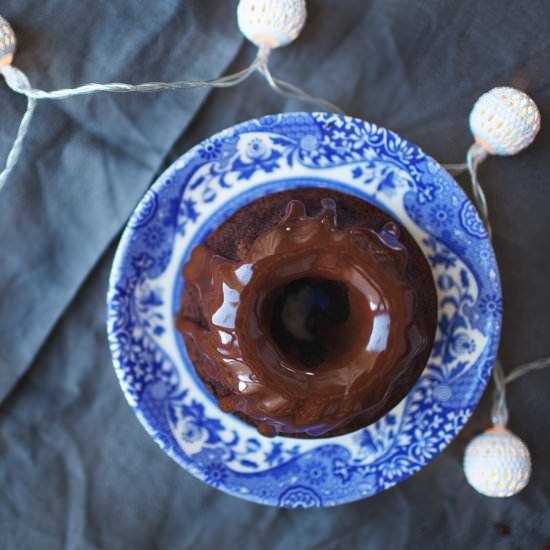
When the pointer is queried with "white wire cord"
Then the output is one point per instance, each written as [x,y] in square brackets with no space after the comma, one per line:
[19,83]
[475,156]
[456,169]
[499,412]
[289,90]
[15,151]
[528,367]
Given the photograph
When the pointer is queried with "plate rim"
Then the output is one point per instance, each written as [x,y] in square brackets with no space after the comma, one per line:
[124,242]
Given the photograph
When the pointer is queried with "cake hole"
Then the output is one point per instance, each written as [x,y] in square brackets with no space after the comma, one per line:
[308,320]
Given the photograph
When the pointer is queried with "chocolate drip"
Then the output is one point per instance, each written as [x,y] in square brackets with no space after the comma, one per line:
[313,327]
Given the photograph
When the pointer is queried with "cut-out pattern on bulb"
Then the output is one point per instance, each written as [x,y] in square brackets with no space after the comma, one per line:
[271,23]
[504,121]
[497,463]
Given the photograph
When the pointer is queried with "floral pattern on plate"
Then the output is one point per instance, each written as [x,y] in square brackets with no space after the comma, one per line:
[202,189]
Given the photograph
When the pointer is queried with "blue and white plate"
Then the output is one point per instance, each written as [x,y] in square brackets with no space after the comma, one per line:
[203,188]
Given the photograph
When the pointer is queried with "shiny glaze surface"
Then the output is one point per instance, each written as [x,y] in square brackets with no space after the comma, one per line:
[369,344]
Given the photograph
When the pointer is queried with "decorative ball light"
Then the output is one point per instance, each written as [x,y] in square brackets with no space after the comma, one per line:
[271,23]
[504,121]
[497,463]
[7,42]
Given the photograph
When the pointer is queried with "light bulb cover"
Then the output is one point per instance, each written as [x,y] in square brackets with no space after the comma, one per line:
[272,23]
[8,42]
[504,121]
[497,463]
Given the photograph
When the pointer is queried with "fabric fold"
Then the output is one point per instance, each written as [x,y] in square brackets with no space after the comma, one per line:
[88,160]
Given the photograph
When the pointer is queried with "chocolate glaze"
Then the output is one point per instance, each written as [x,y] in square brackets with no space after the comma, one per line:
[307,284]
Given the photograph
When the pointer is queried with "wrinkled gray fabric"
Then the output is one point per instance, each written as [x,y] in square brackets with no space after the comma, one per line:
[76,468]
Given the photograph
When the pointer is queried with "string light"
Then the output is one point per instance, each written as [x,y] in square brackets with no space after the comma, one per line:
[497,463]
[504,121]
[267,23]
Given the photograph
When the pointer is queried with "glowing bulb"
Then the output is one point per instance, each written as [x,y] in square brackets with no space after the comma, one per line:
[497,463]
[504,121]
[7,42]
[272,23]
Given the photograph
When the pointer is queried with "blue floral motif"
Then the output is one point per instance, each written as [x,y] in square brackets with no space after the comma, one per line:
[206,186]
[146,213]
[154,235]
[471,221]
[396,467]
[441,215]
[197,421]
[342,469]
[147,305]
[210,149]
[186,214]
[425,446]
[300,497]
[316,473]
[211,464]
[257,154]
[491,304]
[433,181]
[378,438]
[463,344]
[219,149]
[215,473]
[309,143]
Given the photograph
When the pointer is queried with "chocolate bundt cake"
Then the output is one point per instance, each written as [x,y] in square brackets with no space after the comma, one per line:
[308,313]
